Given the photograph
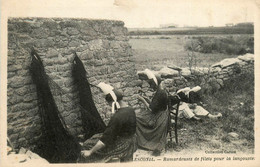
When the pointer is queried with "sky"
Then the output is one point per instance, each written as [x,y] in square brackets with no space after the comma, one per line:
[196,13]
[140,13]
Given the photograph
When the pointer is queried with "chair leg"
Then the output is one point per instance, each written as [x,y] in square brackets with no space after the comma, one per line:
[176,119]
[169,131]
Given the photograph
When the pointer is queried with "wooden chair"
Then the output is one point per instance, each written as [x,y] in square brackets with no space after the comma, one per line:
[174,127]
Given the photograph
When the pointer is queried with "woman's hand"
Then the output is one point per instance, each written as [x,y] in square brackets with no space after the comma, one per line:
[140,97]
[86,153]
[192,106]
[163,85]
[143,101]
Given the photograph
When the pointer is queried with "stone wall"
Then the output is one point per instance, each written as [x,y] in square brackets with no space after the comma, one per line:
[210,79]
[103,47]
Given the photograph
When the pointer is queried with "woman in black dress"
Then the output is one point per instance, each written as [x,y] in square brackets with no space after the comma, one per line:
[152,123]
[118,140]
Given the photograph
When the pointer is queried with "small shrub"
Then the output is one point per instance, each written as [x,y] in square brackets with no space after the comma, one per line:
[164,37]
[225,138]
[226,45]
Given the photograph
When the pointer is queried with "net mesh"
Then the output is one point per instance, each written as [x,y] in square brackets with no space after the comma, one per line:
[56,143]
[91,120]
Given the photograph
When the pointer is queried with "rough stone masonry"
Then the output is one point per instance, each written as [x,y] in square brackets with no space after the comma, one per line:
[103,47]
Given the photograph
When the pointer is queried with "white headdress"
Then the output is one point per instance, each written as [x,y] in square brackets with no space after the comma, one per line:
[196,89]
[151,75]
[108,89]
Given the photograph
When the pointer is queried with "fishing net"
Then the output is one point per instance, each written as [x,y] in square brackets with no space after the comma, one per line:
[56,144]
[91,120]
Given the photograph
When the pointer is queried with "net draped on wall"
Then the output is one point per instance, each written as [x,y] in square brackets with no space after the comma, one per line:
[56,144]
[91,120]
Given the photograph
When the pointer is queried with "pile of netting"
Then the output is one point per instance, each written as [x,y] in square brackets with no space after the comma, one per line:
[91,120]
[56,143]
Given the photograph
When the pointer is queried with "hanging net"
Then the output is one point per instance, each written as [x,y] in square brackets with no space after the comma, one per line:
[56,143]
[91,120]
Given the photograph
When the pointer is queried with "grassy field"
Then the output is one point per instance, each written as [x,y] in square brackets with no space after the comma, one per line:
[249,29]
[235,101]
[157,51]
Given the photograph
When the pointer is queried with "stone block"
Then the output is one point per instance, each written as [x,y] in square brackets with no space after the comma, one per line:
[96,44]
[13,68]
[74,43]
[247,57]
[52,53]
[166,72]
[115,45]
[72,31]
[48,62]
[87,30]
[21,91]
[226,62]
[185,72]
[26,106]
[82,48]
[220,82]
[118,30]
[40,33]
[86,55]
[63,68]
[242,63]
[44,43]
[121,38]
[14,99]
[23,27]
[23,73]
[71,118]
[62,43]
[51,25]
[226,78]
[32,112]
[98,63]
[69,82]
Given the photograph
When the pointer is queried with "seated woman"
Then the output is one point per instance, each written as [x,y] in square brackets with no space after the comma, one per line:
[190,109]
[118,139]
[152,123]
[195,112]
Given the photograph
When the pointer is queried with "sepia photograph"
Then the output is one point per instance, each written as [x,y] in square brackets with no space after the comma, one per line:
[129,81]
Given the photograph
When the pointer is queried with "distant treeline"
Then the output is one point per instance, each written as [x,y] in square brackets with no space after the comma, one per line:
[233,45]
[196,31]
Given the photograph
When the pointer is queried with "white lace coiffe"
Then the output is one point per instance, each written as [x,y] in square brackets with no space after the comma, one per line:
[108,89]
[151,75]
[115,103]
